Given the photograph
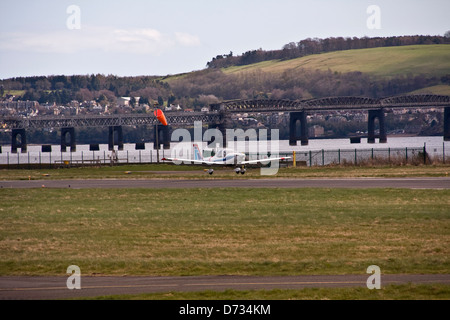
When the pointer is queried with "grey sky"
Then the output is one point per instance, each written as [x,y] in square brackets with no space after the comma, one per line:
[138,37]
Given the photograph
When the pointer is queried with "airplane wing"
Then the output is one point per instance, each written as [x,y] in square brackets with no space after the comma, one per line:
[189,160]
[264,160]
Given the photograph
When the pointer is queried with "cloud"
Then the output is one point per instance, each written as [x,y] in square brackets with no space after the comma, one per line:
[139,41]
[89,38]
[187,39]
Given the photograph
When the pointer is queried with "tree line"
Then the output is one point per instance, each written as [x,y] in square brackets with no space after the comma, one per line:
[62,89]
[202,88]
[295,84]
[310,46]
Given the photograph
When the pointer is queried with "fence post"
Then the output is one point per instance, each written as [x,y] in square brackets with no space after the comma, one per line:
[339,156]
[406,154]
[355,158]
[310,158]
[323,157]
[424,153]
[443,152]
[389,155]
[294,160]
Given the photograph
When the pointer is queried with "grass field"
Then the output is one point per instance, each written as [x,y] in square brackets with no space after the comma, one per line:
[442,89]
[14,92]
[380,62]
[391,292]
[168,171]
[224,231]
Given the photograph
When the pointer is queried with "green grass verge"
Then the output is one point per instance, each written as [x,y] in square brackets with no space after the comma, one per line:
[390,292]
[223,231]
[169,171]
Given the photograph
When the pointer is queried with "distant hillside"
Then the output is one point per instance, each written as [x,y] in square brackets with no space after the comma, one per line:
[442,89]
[376,72]
[428,60]
[310,46]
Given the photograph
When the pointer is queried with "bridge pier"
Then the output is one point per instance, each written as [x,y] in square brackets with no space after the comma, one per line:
[223,129]
[163,133]
[221,124]
[23,140]
[373,115]
[447,124]
[111,138]
[293,137]
[212,140]
[65,143]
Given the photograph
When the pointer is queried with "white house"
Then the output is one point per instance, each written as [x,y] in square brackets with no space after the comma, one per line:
[123,101]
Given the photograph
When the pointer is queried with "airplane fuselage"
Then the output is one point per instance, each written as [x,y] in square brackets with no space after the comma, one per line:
[231,158]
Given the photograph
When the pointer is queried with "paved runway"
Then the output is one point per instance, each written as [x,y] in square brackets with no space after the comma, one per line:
[410,183]
[37,288]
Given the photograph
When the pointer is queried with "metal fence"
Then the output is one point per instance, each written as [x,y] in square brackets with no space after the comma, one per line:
[366,156]
[40,159]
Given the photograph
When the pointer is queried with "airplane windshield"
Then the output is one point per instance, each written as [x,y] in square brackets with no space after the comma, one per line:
[223,153]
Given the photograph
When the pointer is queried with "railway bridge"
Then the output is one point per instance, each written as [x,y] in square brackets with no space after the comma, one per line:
[299,109]
[219,113]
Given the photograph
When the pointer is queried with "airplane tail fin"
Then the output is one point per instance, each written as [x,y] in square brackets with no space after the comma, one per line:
[197,153]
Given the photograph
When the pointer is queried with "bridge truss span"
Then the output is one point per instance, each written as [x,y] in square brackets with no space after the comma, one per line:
[333,103]
[260,105]
[339,103]
[414,101]
[107,121]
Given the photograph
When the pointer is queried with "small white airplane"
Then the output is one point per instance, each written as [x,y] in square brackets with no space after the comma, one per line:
[224,157]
